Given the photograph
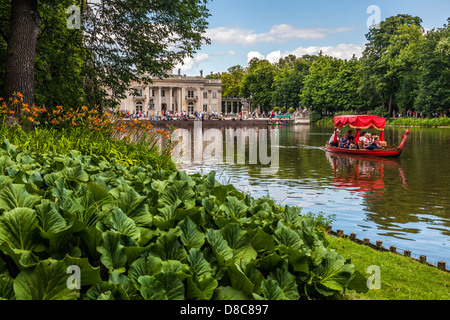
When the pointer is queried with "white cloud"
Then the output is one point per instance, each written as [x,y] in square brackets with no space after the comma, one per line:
[341,51]
[190,63]
[281,33]
[254,54]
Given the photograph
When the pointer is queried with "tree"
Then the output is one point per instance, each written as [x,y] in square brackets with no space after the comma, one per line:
[288,81]
[257,83]
[344,87]
[120,42]
[232,81]
[378,76]
[317,93]
[433,93]
[21,42]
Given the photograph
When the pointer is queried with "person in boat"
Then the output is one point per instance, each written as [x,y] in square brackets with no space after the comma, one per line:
[351,138]
[369,143]
[331,141]
[345,142]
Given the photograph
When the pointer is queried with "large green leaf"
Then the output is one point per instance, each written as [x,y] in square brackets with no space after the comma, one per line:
[18,229]
[234,208]
[219,245]
[168,247]
[172,285]
[112,251]
[47,281]
[50,220]
[126,226]
[88,274]
[178,190]
[201,288]
[229,293]
[200,267]
[144,266]
[6,287]
[191,237]
[133,205]
[271,290]
[235,236]
[288,238]
[15,195]
[287,283]
[333,273]
[151,288]
[239,279]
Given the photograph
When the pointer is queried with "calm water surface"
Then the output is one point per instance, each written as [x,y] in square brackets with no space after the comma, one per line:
[401,201]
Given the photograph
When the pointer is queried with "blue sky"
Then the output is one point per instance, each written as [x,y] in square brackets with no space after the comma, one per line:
[270,29]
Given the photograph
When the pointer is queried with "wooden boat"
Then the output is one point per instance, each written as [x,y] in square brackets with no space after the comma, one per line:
[365,122]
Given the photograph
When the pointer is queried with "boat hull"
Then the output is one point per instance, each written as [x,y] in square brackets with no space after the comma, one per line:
[395,152]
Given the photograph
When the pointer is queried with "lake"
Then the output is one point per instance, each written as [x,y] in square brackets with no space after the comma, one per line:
[404,202]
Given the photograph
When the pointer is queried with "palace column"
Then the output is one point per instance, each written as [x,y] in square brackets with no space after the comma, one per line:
[200,99]
[179,95]
[169,107]
[158,101]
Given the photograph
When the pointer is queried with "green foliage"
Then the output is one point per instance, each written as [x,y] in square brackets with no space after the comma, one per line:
[143,234]
[257,83]
[100,143]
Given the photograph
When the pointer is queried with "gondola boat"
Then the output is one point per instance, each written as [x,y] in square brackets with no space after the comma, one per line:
[365,122]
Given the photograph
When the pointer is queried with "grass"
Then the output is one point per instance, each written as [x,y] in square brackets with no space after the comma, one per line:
[402,278]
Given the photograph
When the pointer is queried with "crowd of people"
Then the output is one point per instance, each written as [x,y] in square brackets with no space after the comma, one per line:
[173,115]
[369,140]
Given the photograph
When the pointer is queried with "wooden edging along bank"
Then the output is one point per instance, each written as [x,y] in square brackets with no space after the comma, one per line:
[379,247]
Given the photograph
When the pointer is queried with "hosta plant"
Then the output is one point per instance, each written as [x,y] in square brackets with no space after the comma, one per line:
[144,234]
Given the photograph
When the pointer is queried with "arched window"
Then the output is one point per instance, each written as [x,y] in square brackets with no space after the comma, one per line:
[190,108]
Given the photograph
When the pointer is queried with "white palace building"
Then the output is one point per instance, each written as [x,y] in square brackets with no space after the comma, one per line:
[176,93]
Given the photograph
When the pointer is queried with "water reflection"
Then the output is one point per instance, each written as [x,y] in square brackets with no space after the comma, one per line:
[361,175]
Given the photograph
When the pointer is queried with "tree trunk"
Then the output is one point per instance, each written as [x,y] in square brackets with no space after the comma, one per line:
[390,105]
[21,51]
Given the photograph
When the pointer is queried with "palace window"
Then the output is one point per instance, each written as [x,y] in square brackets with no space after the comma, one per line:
[190,108]
[214,94]
[190,93]
[205,95]
[139,106]
[205,108]
[163,93]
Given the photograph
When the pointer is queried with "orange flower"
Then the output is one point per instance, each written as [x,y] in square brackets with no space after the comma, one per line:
[11,112]
[31,119]
[59,107]
[19,95]
[73,123]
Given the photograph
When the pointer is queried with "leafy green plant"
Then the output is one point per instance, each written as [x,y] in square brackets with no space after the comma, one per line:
[142,234]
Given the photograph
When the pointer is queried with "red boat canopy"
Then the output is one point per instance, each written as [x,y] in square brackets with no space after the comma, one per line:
[360,122]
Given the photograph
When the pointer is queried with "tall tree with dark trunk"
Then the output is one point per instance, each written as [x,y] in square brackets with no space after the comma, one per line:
[21,51]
